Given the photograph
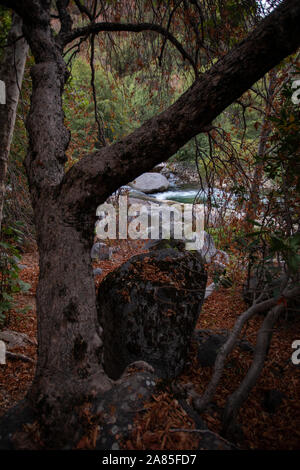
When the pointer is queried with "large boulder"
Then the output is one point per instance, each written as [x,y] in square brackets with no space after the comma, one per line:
[209,345]
[118,406]
[148,309]
[101,252]
[121,407]
[150,183]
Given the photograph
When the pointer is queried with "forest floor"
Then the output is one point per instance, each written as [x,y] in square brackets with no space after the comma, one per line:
[259,429]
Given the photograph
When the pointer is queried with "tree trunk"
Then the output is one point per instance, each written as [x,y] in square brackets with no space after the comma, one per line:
[11,73]
[69,371]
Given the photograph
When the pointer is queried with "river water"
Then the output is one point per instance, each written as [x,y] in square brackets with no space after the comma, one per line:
[186,193]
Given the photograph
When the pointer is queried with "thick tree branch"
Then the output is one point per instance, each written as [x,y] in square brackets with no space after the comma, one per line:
[64,16]
[33,11]
[96,176]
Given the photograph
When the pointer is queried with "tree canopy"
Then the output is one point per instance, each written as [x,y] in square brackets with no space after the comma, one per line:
[194,62]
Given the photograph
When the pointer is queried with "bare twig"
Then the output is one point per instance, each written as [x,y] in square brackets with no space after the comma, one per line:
[98,120]
[18,357]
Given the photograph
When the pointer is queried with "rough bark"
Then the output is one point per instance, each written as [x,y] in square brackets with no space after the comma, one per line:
[11,73]
[68,371]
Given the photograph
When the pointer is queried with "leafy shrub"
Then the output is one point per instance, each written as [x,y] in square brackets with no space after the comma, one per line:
[10,283]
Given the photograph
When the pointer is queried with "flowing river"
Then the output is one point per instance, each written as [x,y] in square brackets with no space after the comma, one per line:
[186,193]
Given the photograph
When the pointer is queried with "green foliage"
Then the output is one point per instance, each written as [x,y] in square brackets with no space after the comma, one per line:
[5,24]
[188,151]
[123,104]
[219,236]
[264,246]
[10,283]
[288,248]
[111,105]
[17,202]
[282,166]
[284,160]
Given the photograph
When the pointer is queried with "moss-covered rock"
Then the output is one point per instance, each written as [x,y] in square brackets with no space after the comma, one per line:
[148,309]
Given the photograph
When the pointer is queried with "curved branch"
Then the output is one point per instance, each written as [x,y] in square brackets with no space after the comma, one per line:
[168,28]
[95,28]
[98,120]
[201,402]
[83,9]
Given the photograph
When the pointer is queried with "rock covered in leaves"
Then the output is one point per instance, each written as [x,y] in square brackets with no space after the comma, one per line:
[124,416]
[119,405]
[148,309]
